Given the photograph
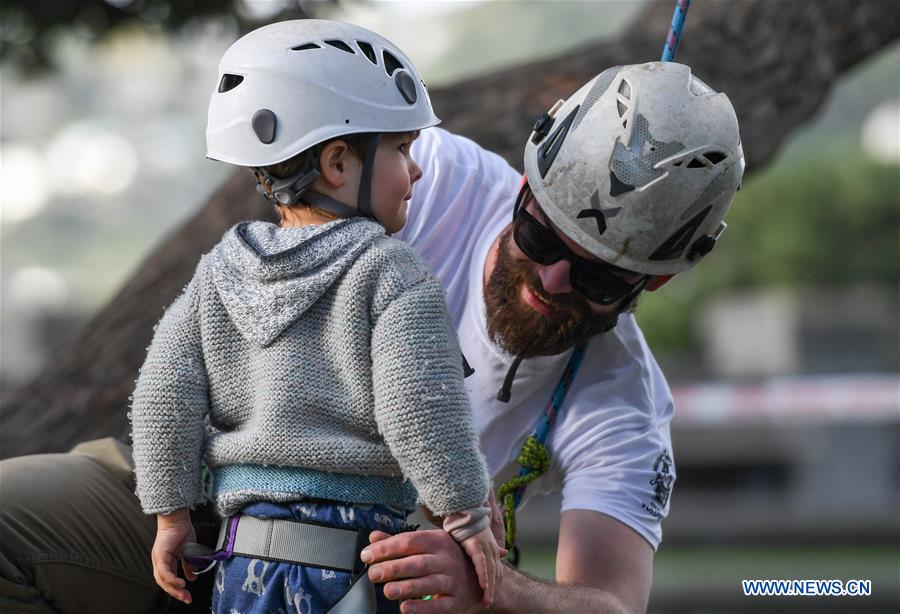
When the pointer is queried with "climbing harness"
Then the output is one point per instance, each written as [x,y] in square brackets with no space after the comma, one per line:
[298,543]
[534,457]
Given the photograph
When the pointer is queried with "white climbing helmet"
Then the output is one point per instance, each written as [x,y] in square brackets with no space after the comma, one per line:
[639,166]
[288,86]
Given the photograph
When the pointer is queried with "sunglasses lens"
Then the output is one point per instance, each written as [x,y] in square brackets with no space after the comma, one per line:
[536,241]
[599,286]
[591,290]
[541,245]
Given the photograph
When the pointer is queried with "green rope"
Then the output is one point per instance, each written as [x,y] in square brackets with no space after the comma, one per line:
[536,459]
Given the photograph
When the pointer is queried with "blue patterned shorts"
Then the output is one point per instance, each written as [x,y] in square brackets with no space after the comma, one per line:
[253,586]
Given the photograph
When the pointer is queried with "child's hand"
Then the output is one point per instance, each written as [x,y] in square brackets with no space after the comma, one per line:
[484,552]
[172,531]
[497,525]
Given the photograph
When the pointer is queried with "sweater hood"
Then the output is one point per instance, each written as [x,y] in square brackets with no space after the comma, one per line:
[268,276]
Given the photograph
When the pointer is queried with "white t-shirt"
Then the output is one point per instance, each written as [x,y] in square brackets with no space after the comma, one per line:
[610,448]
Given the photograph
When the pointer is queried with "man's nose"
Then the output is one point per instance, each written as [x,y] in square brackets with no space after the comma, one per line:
[555,277]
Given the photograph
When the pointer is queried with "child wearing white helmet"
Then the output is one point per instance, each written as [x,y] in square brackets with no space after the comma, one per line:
[310,368]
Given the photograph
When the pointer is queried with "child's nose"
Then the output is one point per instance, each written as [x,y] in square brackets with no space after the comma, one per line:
[555,277]
[415,172]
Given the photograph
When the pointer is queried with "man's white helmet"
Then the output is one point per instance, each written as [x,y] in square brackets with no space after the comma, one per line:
[288,86]
[639,166]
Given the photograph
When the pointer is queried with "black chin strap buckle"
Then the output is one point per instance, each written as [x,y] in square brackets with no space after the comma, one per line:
[291,190]
[541,127]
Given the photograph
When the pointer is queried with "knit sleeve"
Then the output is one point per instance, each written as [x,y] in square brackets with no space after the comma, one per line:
[168,409]
[421,405]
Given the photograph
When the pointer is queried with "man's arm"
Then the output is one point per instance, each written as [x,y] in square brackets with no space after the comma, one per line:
[602,566]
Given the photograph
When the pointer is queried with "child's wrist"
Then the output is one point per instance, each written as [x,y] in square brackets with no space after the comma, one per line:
[467,523]
[176,518]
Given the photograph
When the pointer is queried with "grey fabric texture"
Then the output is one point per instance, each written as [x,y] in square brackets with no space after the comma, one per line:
[323,347]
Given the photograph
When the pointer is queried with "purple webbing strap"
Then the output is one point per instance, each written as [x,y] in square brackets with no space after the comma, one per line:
[222,553]
[228,546]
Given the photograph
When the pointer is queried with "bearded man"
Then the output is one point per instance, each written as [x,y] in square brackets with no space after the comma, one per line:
[627,183]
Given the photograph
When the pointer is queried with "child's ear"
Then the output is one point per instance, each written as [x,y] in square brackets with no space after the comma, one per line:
[334,162]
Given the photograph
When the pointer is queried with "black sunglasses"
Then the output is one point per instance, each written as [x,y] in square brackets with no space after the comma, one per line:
[596,282]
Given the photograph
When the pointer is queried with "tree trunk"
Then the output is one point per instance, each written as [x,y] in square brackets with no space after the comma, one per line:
[776,60]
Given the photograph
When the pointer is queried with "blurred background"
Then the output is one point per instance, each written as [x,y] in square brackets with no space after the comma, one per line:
[782,350]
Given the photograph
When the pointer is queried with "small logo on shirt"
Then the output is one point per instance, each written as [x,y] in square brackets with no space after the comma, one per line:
[662,483]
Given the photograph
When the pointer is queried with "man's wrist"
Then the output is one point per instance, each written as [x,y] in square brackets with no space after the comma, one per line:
[507,589]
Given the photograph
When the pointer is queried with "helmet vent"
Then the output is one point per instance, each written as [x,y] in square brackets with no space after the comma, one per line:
[600,86]
[714,156]
[695,163]
[621,100]
[305,47]
[699,88]
[229,82]
[368,51]
[391,63]
[340,45]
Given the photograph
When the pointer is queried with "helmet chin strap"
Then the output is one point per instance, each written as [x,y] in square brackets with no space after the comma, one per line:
[364,197]
[296,188]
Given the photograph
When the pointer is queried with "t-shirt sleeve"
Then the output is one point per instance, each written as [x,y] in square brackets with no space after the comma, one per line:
[618,459]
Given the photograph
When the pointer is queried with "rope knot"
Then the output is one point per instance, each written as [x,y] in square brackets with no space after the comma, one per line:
[534,456]
[535,459]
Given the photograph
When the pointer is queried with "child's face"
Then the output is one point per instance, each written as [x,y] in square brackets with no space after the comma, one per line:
[393,173]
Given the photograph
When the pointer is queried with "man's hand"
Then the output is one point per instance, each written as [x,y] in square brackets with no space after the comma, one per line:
[172,531]
[421,563]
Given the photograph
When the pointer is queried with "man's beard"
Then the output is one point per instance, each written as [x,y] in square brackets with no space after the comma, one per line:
[520,330]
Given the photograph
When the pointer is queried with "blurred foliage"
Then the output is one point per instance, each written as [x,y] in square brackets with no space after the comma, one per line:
[835,216]
[28,28]
[823,213]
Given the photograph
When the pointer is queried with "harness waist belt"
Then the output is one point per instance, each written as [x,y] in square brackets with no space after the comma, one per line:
[296,542]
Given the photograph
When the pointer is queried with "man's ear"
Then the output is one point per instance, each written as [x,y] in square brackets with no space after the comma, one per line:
[335,162]
[657,281]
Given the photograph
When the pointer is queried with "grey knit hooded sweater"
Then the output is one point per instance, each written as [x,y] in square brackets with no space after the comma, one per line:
[304,362]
